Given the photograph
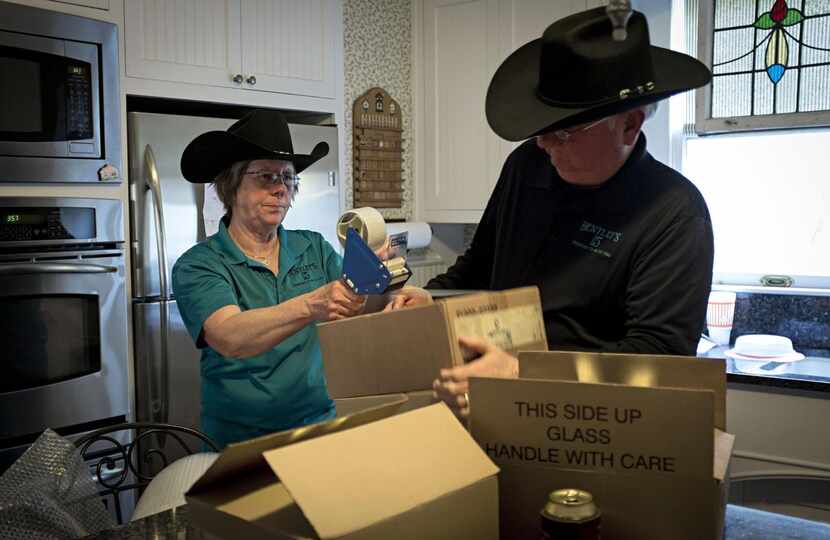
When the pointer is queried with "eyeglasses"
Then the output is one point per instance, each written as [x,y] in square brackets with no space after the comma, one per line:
[268,179]
[565,134]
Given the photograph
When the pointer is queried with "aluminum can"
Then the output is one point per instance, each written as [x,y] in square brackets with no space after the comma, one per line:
[570,514]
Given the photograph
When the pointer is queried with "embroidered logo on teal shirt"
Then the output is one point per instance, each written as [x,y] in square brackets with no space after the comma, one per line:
[597,235]
[303,273]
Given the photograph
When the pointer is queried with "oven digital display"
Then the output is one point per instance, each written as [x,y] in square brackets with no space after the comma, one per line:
[46,223]
[23,219]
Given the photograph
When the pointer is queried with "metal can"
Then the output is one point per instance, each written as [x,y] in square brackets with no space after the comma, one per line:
[570,514]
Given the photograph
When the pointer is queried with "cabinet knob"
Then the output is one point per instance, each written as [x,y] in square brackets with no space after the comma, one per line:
[251,80]
[237,78]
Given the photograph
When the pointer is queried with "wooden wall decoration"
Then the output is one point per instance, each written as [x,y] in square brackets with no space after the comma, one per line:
[377,153]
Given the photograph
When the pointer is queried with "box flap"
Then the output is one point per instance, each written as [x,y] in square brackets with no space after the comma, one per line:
[632,370]
[723,452]
[379,470]
[381,353]
[240,458]
[511,319]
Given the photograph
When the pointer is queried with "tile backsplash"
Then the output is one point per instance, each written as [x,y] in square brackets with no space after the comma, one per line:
[803,319]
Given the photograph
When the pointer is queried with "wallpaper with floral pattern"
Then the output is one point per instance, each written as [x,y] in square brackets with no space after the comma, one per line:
[377,39]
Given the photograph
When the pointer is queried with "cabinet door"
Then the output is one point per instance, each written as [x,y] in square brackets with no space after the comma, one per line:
[462,44]
[192,41]
[529,18]
[289,46]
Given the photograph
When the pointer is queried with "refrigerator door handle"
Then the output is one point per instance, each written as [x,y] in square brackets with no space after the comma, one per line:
[154,185]
[159,373]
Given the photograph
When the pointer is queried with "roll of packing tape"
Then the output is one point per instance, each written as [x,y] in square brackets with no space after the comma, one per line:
[368,223]
[419,233]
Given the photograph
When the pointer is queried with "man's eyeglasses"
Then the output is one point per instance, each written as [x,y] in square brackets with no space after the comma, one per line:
[268,179]
[565,134]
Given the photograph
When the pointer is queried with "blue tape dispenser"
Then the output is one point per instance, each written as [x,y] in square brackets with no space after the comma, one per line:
[361,232]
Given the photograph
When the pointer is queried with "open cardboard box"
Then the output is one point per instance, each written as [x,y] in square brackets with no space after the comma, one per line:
[371,474]
[404,350]
[644,434]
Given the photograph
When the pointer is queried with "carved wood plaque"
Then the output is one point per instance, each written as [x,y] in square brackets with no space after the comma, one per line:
[377,152]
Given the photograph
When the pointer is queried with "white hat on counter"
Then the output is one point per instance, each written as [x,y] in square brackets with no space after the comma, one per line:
[764,348]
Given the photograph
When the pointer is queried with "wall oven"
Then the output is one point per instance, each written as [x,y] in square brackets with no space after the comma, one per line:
[63,318]
[59,97]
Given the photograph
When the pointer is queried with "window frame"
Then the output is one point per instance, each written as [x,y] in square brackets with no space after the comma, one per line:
[706,125]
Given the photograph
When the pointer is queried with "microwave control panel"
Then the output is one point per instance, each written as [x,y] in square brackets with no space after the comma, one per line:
[18,224]
[78,101]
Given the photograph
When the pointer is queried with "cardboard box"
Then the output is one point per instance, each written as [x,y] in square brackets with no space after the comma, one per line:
[404,350]
[644,434]
[371,474]
[414,400]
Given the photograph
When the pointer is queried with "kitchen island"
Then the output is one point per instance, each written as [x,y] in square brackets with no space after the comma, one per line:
[741,524]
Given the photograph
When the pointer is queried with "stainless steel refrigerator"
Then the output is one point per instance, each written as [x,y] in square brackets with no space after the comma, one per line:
[168,216]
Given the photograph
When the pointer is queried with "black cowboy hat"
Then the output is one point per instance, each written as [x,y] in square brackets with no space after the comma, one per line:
[577,73]
[260,134]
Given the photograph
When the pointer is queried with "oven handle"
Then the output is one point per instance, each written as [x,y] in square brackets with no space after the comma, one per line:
[19,269]
[159,383]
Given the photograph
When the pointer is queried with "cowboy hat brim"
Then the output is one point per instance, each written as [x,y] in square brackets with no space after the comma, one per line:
[515,111]
[211,153]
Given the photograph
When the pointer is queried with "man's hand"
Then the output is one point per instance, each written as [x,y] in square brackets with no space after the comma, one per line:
[452,386]
[408,296]
[334,301]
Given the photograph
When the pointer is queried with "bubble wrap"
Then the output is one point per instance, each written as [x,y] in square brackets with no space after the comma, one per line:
[49,493]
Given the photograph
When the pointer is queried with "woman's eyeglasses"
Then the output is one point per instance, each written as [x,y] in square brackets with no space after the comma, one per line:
[565,134]
[268,179]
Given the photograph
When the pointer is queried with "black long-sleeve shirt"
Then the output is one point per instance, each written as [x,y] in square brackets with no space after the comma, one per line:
[623,267]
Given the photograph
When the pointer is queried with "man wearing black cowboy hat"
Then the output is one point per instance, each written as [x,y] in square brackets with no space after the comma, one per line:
[250,294]
[619,244]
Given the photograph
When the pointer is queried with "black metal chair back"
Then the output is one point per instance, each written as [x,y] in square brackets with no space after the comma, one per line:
[119,467]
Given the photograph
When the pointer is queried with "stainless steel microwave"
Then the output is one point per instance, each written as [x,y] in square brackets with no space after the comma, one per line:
[59,97]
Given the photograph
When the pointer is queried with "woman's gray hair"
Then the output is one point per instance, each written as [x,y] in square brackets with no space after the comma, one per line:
[227,183]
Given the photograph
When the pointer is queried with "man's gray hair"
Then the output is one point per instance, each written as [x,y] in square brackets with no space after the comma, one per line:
[649,110]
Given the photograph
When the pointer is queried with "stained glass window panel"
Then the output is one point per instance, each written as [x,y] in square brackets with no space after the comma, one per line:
[815,89]
[727,96]
[769,58]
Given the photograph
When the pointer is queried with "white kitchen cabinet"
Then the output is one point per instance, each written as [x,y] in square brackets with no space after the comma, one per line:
[285,46]
[458,46]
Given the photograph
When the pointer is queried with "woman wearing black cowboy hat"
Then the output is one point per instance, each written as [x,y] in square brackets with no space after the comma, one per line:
[619,244]
[250,294]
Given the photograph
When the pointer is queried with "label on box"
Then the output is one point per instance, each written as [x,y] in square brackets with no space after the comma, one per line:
[508,328]
[645,454]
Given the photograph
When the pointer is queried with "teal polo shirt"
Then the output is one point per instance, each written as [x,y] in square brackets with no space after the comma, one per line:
[284,387]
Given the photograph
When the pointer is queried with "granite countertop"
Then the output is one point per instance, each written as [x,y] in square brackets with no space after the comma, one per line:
[812,373]
[741,524]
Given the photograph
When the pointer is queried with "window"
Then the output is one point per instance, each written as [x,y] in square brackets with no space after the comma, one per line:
[768,191]
[770,61]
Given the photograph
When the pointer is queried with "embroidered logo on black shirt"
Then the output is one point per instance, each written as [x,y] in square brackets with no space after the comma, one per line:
[597,235]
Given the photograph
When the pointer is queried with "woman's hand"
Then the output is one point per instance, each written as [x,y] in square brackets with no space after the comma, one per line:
[453,385]
[384,252]
[334,301]
[408,297]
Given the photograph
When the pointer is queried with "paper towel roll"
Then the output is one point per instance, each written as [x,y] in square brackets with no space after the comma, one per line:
[420,233]
[368,223]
